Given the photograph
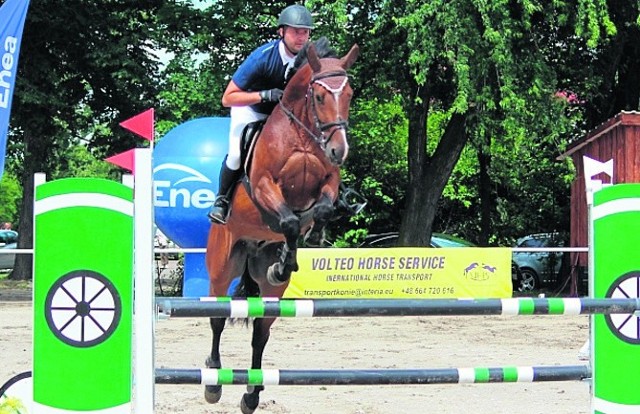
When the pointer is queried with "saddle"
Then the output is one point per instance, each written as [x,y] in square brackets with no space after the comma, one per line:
[250,135]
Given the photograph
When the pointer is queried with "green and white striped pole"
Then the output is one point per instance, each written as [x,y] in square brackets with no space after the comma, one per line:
[470,375]
[83,264]
[615,338]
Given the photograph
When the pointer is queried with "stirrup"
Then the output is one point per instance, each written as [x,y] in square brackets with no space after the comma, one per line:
[219,210]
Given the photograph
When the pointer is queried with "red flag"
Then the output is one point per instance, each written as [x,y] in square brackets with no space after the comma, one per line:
[125,160]
[141,124]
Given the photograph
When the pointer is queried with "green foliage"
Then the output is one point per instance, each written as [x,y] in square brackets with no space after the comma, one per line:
[80,162]
[501,63]
[378,170]
[10,195]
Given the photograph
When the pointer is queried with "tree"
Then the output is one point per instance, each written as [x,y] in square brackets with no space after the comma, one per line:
[488,66]
[83,68]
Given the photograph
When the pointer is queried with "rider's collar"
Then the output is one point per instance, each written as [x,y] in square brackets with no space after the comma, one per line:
[286,59]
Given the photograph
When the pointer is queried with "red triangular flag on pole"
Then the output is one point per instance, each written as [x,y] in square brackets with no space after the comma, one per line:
[141,124]
[125,160]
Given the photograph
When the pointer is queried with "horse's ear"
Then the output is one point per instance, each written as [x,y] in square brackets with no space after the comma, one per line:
[312,57]
[351,57]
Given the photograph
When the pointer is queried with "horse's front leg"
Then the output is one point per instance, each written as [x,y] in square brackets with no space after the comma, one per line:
[280,272]
[322,213]
[268,194]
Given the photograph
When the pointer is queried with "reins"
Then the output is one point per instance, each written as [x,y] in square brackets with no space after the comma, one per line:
[321,139]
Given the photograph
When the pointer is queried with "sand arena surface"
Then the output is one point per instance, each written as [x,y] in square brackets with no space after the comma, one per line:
[359,343]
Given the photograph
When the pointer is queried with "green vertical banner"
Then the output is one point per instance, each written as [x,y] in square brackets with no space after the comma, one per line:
[82,300]
[616,337]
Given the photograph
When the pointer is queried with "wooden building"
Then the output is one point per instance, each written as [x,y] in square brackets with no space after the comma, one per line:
[619,139]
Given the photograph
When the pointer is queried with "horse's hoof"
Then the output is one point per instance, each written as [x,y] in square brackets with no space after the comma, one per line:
[212,393]
[272,276]
[249,403]
[313,239]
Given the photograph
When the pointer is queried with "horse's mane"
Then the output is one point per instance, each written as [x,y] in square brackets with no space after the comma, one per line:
[323,48]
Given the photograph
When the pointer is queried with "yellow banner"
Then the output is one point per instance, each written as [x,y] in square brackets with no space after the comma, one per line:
[402,272]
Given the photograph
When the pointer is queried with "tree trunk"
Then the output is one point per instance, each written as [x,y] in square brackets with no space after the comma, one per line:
[35,156]
[428,178]
[484,189]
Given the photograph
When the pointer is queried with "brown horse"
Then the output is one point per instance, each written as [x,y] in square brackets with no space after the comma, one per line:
[292,186]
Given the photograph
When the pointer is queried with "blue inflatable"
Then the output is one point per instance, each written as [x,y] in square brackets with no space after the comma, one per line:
[186,163]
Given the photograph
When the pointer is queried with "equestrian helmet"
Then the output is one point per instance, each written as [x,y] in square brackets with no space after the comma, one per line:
[296,16]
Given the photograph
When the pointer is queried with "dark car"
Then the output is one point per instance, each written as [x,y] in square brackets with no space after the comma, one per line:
[437,240]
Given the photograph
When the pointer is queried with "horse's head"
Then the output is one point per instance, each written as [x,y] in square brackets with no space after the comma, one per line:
[329,98]
[318,96]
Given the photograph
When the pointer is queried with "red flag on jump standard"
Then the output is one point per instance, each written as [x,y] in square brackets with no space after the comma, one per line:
[141,124]
[125,160]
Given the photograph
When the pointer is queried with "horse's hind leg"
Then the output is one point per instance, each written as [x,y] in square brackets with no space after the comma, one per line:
[212,393]
[257,266]
[225,260]
[261,332]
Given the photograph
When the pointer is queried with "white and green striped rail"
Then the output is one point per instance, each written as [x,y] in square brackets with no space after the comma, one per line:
[273,307]
[209,376]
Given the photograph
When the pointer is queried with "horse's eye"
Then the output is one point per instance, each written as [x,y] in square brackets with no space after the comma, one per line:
[319,98]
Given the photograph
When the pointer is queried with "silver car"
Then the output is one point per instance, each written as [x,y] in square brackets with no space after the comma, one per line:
[7,259]
[538,268]
[8,239]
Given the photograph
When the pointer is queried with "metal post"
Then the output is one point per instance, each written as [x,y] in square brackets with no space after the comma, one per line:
[144,307]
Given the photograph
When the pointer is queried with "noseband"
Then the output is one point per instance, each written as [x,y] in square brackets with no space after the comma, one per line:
[322,139]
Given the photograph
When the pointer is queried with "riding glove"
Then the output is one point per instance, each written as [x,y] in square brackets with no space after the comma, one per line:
[271,95]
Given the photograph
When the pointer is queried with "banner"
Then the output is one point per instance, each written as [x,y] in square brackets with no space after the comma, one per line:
[402,272]
[12,16]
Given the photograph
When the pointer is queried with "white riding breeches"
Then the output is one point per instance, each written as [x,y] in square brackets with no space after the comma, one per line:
[240,117]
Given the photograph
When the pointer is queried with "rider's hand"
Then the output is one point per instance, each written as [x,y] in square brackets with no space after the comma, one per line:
[271,95]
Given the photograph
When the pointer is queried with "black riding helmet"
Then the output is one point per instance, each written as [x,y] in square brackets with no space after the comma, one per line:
[296,16]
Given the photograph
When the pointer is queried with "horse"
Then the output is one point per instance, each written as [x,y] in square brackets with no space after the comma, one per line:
[289,191]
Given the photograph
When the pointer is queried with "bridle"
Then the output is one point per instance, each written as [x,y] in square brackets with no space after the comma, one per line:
[322,139]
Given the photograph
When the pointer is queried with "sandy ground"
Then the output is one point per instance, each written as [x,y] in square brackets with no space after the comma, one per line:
[408,342]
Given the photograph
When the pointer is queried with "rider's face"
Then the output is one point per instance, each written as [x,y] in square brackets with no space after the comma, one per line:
[295,38]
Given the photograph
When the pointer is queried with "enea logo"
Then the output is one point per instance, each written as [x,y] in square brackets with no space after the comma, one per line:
[179,186]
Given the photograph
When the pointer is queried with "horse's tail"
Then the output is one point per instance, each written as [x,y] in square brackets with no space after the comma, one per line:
[247,287]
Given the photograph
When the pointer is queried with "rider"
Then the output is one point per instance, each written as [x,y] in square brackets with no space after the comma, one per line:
[255,88]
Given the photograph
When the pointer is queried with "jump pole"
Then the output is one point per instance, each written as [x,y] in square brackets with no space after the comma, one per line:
[280,308]
[476,375]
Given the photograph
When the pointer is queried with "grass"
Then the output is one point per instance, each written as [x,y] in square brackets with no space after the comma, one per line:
[6,283]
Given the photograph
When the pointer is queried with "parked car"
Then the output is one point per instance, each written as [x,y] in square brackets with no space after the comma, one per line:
[8,236]
[7,260]
[437,240]
[540,268]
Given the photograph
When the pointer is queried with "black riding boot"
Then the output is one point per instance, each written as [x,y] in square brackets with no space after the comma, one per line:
[220,208]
